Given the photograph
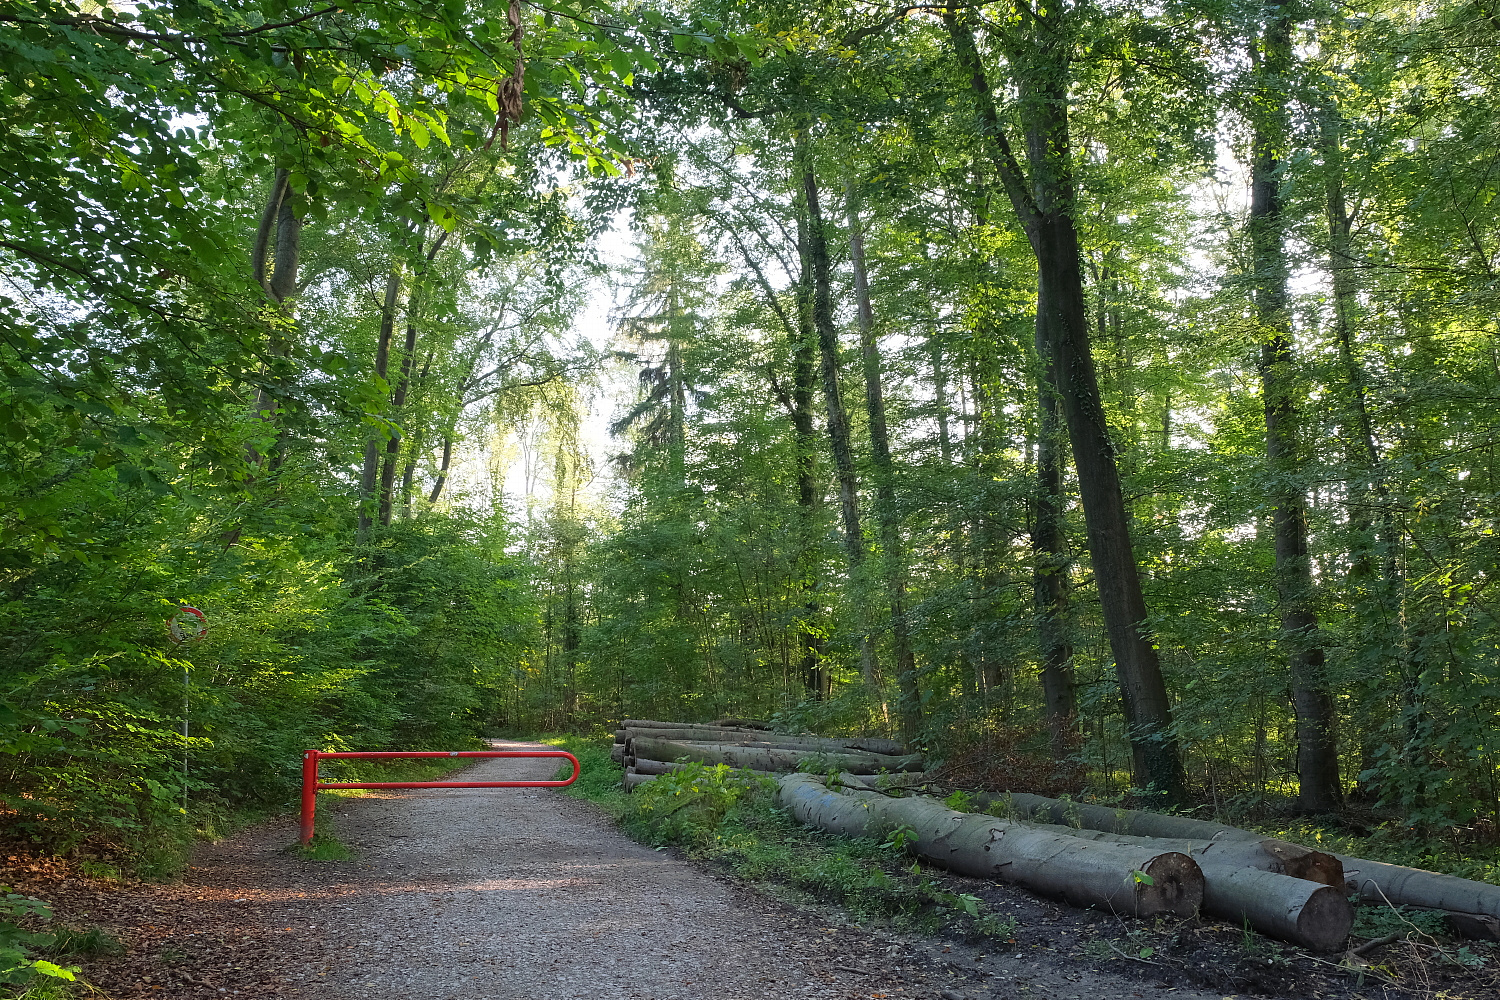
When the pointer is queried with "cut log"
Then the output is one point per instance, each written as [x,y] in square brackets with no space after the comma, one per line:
[1473,908]
[1081,872]
[643,766]
[1134,822]
[1310,910]
[711,734]
[617,753]
[1315,916]
[906,781]
[779,761]
[1267,855]
[634,780]
[742,723]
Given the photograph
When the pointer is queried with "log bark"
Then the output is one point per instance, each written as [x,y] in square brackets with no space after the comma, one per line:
[1473,907]
[644,766]
[1081,872]
[1040,808]
[717,734]
[633,780]
[757,759]
[1315,916]
[1283,890]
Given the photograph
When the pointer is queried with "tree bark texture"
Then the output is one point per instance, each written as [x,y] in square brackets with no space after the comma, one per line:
[1044,205]
[1317,739]
[1080,872]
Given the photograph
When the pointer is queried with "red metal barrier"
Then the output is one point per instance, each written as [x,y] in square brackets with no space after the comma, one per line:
[311,786]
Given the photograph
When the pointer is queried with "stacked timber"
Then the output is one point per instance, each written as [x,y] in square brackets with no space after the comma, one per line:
[1472,908]
[1097,856]
[649,748]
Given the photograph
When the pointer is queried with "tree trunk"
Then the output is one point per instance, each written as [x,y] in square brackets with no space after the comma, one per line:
[442,476]
[1050,566]
[1317,741]
[891,542]
[368,476]
[279,235]
[1078,871]
[1044,205]
[839,437]
[398,405]
[815,675]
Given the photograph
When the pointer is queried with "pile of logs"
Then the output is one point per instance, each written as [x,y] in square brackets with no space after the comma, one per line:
[1136,862]
[1126,861]
[649,748]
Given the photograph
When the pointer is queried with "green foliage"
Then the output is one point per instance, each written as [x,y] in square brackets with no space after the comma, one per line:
[960,801]
[18,965]
[728,816]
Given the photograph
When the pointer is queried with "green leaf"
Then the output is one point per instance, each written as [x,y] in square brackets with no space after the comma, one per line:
[55,971]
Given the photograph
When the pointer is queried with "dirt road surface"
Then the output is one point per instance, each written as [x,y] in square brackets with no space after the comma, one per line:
[526,894]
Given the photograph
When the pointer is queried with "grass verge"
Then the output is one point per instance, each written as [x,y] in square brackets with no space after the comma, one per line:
[729,818]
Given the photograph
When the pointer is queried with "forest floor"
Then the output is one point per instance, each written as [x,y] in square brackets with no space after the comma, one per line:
[526,894]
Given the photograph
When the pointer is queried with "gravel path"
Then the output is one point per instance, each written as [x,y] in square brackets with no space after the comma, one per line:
[527,894]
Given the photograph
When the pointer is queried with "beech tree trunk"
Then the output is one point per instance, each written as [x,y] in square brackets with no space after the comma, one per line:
[1317,739]
[893,551]
[279,237]
[839,438]
[1050,565]
[815,675]
[398,405]
[1080,872]
[442,475]
[1044,203]
[369,475]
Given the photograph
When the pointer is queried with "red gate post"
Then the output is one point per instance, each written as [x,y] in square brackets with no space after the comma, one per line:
[311,786]
[309,793]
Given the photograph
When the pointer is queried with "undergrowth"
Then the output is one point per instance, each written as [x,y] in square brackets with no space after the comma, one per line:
[728,817]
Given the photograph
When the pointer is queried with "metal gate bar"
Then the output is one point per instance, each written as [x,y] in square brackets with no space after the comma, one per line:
[311,786]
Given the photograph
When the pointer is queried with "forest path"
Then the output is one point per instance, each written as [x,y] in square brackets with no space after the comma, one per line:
[527,894]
